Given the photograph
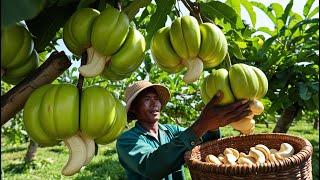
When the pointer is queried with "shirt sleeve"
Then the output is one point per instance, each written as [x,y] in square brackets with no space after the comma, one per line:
[211,135]
[155,163]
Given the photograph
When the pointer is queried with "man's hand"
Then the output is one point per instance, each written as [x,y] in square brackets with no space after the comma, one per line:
[214,116]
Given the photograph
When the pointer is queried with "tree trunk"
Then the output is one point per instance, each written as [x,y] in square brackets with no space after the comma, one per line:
[31,152]
[316,123]
[13,101]
[286,119]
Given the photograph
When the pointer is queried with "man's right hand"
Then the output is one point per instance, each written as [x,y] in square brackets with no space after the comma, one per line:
[214,116]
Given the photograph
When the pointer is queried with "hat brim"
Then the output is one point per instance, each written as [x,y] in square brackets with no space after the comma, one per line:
[162,91]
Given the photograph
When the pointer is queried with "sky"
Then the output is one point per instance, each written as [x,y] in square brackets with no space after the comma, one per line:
[262,19]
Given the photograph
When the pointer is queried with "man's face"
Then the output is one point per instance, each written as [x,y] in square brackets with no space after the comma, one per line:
[147,106]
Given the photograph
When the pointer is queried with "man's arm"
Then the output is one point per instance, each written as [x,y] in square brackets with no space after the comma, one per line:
[210,135]
[151,163]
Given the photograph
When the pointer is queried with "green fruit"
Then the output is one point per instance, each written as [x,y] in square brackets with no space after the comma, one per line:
[217,80]
[130,55]
[108,73]
[31,118]
[15,75]
[16,46]
[260,42]
[263,82]
[117,126]
[128,58]
[163,52]
[244,81]
[241,82]
[78,28]
[98,111]
[109,31]
[214,46]
[59,111]
[185,37]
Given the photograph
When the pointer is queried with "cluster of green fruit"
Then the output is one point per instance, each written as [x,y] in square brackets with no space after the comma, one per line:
[114,49]
[240,82]
[55,112]
[18,56]
[188,44]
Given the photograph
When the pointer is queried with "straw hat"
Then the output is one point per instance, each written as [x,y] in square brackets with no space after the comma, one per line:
[134,89]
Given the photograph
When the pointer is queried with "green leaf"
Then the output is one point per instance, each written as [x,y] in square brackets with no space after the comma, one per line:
[48,22]
[287,10]
[147,63]
[159,18]
[315,99]
[314,12]
[313,29]
[144,14]
[248,6]
[304,93]
[241,44]
[134,7]
[235,50]
[278,9]
[235,4]
[265,10]
[307,7]
[267,44]
[301,23]
[267,30]
[294,19]
[219,10]
[13,11]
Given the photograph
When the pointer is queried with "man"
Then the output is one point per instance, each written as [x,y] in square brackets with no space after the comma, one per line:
[151,150]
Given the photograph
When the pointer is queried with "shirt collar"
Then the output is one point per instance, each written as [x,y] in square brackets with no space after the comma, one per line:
[142,130]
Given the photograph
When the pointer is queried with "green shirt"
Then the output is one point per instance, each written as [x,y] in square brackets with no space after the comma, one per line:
[144,157]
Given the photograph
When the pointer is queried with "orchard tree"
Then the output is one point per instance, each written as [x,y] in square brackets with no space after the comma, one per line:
[290,59]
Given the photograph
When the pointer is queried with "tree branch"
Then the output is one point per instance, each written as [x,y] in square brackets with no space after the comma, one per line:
[81,78]
[194,9]
[13,101]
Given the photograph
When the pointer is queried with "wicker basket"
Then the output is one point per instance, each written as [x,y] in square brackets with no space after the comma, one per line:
[296,167]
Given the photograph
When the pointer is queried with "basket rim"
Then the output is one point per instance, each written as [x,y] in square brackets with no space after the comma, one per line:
[243,169]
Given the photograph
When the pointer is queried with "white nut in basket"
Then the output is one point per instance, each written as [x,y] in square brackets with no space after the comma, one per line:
[246,160]
[272,158]
[213,159]
[221,157]
[264,149]
[273,151]
[257,155]
[231,151]
[286,150]
[230,159]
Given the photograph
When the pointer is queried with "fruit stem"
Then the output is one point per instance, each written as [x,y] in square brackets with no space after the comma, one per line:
[228,61]
[81,78]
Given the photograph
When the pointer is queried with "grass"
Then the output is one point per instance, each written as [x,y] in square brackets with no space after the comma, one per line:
[49,161]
